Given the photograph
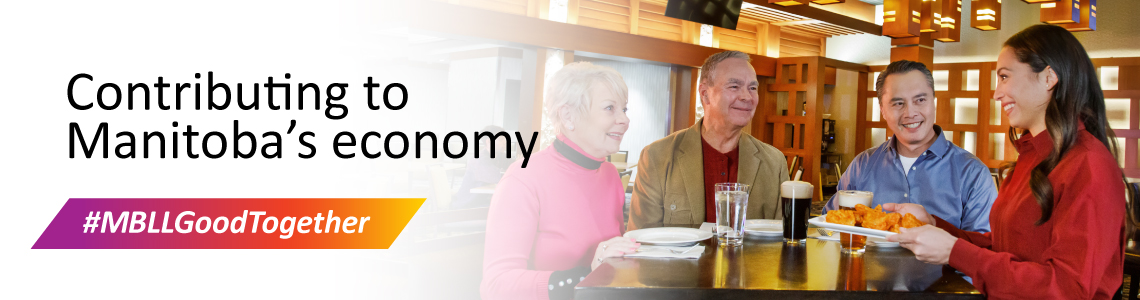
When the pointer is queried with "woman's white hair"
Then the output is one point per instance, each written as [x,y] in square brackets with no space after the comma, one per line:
[569,89]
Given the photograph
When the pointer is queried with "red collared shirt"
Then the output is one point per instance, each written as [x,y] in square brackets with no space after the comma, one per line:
[719,168]
[1077,254]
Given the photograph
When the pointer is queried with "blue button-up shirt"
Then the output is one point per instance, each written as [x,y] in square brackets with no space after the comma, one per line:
[947,180]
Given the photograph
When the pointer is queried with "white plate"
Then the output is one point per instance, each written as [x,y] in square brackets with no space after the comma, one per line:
[819,221]
[669,236]
[764,227]
[881,242]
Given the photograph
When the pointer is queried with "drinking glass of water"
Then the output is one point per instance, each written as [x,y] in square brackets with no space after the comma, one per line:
[731,211]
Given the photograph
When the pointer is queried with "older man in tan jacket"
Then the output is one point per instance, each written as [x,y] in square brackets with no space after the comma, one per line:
[677,173]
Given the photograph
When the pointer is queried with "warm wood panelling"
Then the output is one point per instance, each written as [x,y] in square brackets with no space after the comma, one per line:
[810,19]
[616,7]
[793,44]
[481,23]
[518,7]
[743,39]
[808,12]
[652,22]
[586,21]
[608,14]
[790,34]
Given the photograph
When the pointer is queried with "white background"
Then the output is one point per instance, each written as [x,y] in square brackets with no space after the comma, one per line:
[43,44]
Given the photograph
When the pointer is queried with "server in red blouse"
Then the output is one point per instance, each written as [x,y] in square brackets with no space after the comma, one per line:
[1058,223]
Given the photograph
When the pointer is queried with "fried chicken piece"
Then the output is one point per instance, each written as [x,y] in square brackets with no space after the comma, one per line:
[910,221]
[845,217]
[895,228]
[860,211]
[873,213]
[880,221]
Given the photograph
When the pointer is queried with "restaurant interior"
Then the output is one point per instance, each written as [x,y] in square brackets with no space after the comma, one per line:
[816,60]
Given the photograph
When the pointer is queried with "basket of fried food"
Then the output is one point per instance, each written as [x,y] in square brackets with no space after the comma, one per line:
[872,218]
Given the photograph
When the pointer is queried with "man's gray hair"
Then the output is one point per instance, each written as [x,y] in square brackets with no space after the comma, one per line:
[902,67]
[711,63]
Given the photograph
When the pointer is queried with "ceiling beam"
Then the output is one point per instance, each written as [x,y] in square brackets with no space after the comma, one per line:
[797,22]
[486,24]
[807,11]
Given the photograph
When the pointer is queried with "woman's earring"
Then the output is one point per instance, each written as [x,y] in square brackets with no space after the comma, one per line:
[571,127]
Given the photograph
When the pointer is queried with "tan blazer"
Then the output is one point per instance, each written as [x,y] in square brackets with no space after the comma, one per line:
[670,185]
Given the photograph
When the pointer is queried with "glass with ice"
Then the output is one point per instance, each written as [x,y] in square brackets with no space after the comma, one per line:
[731,211]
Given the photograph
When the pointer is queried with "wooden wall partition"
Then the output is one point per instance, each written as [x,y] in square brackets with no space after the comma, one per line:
[791,114]
[1122,97]
[974,120]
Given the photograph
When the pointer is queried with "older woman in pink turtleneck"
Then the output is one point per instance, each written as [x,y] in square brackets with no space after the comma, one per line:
[554,221]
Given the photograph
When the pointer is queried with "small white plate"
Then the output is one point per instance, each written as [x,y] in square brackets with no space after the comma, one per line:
[881,242]
[669,236]
[819,221]
[764,227]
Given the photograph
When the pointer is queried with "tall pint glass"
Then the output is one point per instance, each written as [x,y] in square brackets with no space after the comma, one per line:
[795,199]
[847,201]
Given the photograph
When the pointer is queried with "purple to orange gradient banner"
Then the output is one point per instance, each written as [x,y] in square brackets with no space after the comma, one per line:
[221,223]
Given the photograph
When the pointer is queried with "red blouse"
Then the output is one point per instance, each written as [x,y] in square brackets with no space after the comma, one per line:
[1077,254]
[719,168]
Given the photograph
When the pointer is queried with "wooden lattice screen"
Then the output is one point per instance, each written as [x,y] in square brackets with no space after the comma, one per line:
[790,112]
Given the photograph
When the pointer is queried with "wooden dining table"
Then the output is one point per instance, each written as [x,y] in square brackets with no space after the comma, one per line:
[765,267]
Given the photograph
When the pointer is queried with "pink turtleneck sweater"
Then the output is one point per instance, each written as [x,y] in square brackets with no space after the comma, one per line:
[547,217]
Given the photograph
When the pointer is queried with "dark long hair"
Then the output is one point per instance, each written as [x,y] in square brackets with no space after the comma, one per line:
[1077,97]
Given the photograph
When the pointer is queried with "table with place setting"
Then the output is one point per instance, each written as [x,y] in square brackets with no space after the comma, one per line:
[679,262]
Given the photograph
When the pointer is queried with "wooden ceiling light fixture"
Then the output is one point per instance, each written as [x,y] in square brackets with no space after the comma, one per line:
[1061,12]
[1088,17]
[902,18]
[985,14]
[932,15]
[951,20]
[789,2]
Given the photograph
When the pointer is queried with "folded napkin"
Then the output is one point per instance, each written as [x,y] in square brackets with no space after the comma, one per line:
[663,252]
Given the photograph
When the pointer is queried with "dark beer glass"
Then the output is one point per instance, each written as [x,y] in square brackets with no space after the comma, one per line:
[795,198]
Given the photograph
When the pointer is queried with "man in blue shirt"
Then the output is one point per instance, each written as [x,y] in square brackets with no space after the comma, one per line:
[918,165]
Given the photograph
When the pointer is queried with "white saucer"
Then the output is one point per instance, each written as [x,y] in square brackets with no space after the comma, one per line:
[881,242]
[764,227]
